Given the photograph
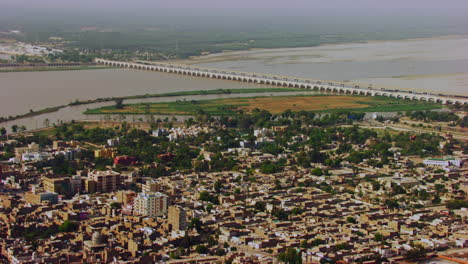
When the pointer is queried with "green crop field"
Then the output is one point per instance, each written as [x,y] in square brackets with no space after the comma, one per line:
[273,104]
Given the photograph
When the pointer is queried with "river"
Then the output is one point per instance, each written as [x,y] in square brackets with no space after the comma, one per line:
[70,113]
[434,64]
[22,91]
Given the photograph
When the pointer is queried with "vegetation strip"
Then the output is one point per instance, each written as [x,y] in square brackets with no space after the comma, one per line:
[223,107]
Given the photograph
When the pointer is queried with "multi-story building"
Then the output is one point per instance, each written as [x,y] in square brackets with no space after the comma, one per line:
[150,204]
[75,184]
[71,154]
[106,181]
[125,197]
[106,153]
[177,218]
[151,186]
[57,185]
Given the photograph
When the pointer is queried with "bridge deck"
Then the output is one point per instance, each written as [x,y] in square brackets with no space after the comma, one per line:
[270,79]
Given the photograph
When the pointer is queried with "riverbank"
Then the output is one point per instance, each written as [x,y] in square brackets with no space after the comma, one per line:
[173,94]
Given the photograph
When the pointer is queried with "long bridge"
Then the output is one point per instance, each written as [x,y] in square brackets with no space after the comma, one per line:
[283,81]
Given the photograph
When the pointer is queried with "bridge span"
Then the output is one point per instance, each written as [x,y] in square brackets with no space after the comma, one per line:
[283,81]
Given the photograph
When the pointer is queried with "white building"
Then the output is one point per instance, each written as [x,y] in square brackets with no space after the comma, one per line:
[150,204]
[113,142]
[445,162]
[35,156]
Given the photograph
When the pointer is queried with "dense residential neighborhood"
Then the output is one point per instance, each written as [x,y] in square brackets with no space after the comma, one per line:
[251,188]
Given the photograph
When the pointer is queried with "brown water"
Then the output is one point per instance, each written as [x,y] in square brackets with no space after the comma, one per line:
[22,91]
[70,113]
[434,64]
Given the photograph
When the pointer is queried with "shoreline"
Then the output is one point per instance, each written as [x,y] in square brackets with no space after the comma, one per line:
[43,69]
[174,94]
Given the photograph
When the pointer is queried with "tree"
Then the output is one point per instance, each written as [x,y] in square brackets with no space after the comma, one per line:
[378,237]
[218,185]
[375,185]
[297,211]
[195,223]
[201,249]
[14,128]
[68,226]
[440,188]
[119,103]
[457,204]
[268,167]
[317,242]
[290,256]
[416,253]
[341,246]
[260,206]
[115,205]
[303,159]
[392,204]
[279,213]
[351,220]
[209,207]
[207,197]
[317,172]
[3,131]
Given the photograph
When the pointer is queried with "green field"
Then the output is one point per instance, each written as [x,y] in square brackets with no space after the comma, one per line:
[275,104]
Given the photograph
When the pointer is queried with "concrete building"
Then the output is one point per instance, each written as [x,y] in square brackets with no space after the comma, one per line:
[75,184]
[125,197]
[151,186]
[106,181]
[150,204]
[177,218]
[38,198]
[106,153]
[57,185]
[71,154]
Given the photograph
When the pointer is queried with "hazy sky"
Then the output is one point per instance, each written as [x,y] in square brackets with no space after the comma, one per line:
[360,12]
[300,5]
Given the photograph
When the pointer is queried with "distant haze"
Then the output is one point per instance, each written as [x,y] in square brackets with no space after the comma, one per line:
[238,7]
[200,25]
